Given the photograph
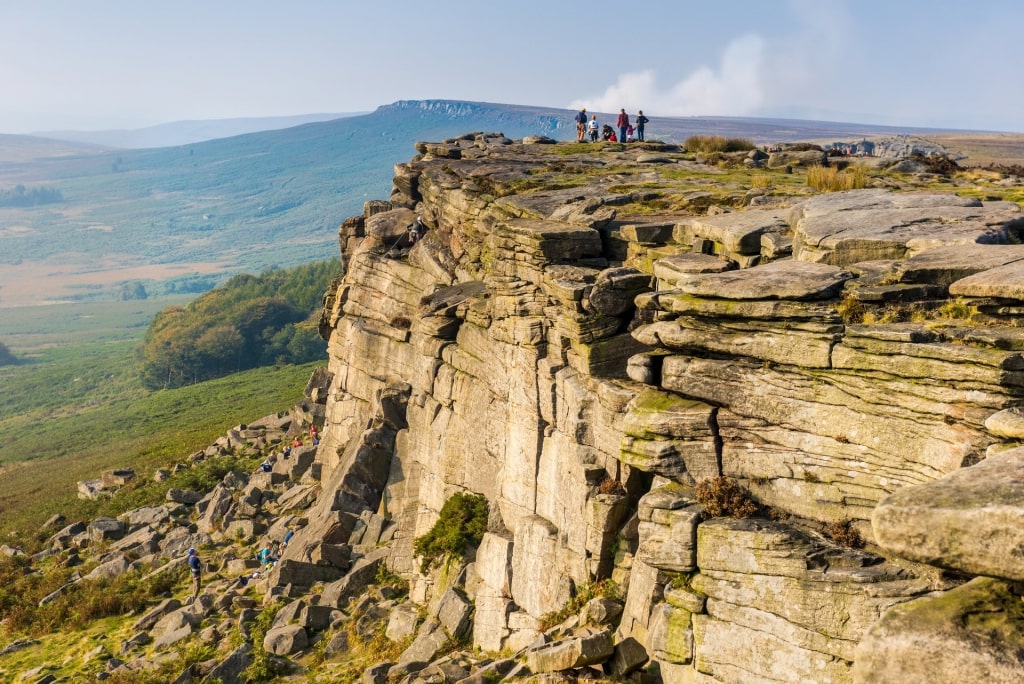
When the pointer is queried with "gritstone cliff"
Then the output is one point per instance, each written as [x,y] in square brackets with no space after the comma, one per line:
[784,425]
[582,359]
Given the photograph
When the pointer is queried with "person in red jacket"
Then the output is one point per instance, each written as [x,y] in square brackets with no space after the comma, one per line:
[622,123]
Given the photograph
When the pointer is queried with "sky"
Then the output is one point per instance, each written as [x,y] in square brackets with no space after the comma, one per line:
[103,64]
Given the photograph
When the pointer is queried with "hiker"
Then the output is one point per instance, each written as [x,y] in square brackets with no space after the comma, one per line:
[287,538]
[593,128]
[265,466]
[196,567]
[622,122]
[640,121]
[296,443]
[629,134]
[581,125]
[312,432]
[287,452]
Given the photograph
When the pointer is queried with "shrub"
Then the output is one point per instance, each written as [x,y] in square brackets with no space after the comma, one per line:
[79,605]
[262,668]
[724,497]
[605,588]
[956,309]
[803,147]
[386,577]
[610,485]
[760,181]
[717,143]
[843,532]
[851,310]
[461,523]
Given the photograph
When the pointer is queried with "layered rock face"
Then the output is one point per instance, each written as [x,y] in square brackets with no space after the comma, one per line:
[584,363]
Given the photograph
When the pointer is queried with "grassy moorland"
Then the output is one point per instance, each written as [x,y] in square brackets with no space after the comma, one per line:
[75,406]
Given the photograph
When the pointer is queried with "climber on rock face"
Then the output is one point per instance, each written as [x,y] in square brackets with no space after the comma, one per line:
[416,229]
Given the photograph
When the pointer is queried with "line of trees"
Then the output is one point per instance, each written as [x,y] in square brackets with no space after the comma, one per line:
[247,322]
[20,196]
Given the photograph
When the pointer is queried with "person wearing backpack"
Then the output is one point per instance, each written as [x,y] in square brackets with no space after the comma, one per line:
[593,126]
[195,566]
[640,121]
[581,125]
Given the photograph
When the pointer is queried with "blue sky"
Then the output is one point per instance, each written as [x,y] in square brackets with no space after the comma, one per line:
[129,63]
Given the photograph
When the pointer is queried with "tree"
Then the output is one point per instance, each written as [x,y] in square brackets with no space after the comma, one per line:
[6,357]
[133,290]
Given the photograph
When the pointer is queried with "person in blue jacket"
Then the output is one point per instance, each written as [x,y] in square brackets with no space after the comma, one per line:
[641,120]
[195,566]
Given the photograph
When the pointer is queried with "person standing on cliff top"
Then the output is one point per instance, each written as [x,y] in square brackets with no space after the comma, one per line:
[581,125]
[622,123]
[592,127]
[640,121]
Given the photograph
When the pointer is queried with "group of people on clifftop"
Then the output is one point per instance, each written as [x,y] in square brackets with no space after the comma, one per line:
[627,133]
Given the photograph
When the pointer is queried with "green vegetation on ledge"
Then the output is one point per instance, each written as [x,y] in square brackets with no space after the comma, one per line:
[461,523]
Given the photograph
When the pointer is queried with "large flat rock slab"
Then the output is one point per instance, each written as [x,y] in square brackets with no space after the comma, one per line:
[741,231]
[971,520]
[1006,282]
[776,280]
[946,265]
[551,240]
[864,225]
[674,269]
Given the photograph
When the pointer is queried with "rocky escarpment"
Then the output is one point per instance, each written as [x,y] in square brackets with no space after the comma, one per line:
[583,361]
[726,434]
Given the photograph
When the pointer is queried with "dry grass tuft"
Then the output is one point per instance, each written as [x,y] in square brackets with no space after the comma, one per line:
[724,497]
[610,485]
[831,179]
[716,143]
[843,532]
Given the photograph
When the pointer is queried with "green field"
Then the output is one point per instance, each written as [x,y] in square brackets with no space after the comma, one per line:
[75,406]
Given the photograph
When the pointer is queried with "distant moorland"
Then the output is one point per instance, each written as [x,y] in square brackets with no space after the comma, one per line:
[180,219]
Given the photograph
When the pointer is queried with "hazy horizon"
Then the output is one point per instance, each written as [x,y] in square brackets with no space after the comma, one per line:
[127,65]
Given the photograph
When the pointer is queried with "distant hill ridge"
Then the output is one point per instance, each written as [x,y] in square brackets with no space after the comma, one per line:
[188,131]
[260,199]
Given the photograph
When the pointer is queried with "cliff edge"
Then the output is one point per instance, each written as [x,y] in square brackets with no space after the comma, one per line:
[589,337]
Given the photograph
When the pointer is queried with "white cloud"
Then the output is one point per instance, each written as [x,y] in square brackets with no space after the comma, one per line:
[734,88]
[798,70]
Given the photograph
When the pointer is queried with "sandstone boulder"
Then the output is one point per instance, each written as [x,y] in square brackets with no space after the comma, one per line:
[971,520]
[974,633]
[571,653]
[286,640]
